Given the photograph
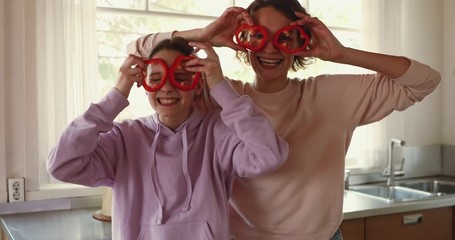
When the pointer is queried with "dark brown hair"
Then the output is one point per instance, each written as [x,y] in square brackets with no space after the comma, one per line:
[176,43]
[287,8]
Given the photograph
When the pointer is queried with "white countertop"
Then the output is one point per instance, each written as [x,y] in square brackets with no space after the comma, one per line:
[358,205]
[78,223]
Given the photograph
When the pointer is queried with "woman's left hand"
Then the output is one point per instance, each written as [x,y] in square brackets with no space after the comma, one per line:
[209,66]
[324,45]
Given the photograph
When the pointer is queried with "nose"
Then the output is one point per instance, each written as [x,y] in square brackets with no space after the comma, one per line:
[269,46]
[167,87]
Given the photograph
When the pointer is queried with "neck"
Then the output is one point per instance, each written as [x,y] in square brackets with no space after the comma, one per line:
[173,122]
[270,85]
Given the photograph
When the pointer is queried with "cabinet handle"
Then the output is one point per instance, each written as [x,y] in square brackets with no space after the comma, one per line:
[413,219]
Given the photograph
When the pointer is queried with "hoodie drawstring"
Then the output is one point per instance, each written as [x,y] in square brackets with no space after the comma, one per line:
[189,186]
[156,189]
[159,220]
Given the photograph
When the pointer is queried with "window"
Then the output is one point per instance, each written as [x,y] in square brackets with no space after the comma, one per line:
[120,22]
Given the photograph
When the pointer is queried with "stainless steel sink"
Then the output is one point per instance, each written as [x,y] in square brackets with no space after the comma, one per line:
[432,186]
[393,194]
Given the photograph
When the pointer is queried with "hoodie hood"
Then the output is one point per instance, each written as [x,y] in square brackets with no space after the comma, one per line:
[192,122]
[160,129]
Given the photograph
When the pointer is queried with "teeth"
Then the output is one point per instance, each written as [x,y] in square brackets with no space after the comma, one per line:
[269,61]
[167,101]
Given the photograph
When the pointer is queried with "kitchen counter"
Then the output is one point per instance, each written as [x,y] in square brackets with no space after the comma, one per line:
[76,224]
[358,205]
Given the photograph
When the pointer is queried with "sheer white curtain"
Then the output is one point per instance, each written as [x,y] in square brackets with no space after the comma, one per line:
[382,33]
[66,55]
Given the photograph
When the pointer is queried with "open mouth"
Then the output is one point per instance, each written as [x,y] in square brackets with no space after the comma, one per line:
[167,101]
[269,61]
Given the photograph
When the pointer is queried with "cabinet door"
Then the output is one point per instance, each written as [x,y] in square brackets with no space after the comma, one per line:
[431,224]
[353,229]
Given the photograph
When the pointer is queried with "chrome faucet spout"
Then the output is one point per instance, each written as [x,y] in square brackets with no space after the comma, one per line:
[390,165]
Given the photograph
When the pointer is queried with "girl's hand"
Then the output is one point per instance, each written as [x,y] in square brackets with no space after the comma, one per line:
[220,33]
[131,71]
[324,45]
[209,66]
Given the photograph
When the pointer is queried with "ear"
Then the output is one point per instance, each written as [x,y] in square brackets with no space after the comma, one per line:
[199,87]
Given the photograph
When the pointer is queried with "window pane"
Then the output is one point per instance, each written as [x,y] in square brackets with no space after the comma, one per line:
[242,3]
[124,4]
[345,14]
[197,7]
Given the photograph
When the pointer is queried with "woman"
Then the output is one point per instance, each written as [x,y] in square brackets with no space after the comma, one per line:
[315,115]
[171,172]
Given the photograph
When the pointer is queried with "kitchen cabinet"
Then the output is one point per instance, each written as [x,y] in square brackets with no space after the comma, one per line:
[353,229]
[2,235]
[429,224]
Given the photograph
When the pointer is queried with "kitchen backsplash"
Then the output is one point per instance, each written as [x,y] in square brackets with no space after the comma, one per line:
[420,161]
[448,160]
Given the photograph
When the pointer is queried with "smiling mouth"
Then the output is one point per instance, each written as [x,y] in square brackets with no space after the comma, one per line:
[269,61]
[167,101]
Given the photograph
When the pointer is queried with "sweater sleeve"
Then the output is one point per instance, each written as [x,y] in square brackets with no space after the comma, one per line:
[258,149]
[398,94]
[143,46]
[87,150]
[362,99]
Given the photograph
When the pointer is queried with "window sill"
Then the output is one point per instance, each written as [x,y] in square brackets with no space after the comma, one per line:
[51,205]
[56,197]
[56,191]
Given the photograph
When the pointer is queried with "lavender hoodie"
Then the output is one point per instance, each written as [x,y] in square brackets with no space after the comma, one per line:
[166,184]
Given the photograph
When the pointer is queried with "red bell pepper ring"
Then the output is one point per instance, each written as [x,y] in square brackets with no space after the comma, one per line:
[170,71]
[290,39]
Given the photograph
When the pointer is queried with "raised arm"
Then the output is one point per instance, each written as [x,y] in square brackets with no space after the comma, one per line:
[88,149]
[325,46]
[251,147]
[218,33]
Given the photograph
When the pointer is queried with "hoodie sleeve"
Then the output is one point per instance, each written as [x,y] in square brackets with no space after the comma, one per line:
[142,47]
[80,156]
[257,148]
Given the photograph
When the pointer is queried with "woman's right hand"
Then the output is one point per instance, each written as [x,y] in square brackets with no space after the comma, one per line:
[130,72]
[220,33]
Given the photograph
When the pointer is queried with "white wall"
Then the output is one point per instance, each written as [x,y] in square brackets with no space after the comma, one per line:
[18,96]
[448,114]
[2,104]
[422,40]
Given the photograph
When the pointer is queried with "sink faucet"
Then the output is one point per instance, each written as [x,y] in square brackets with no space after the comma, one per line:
[390,172]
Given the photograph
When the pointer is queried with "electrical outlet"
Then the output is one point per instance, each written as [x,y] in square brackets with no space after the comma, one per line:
[16,191]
